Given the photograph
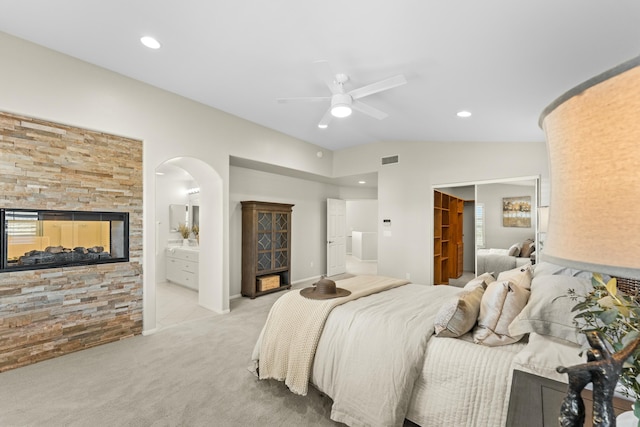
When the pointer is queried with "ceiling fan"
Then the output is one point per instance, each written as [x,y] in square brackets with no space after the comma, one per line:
[343,102]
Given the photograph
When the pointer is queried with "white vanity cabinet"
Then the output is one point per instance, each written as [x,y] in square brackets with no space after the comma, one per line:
[182,266]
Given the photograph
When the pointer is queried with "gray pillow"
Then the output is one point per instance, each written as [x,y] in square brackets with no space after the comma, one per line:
[548,311]
[528,246]
[458,315]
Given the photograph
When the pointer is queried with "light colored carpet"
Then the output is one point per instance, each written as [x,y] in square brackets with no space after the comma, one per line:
[192,374]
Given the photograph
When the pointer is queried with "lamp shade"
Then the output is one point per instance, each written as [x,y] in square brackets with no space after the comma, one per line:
[593,141]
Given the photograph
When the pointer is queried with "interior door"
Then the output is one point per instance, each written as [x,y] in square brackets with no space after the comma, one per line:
[336,237]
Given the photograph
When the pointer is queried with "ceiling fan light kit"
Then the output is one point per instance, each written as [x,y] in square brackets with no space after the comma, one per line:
[343,103]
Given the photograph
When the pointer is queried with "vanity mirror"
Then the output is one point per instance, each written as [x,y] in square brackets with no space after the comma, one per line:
[178,214]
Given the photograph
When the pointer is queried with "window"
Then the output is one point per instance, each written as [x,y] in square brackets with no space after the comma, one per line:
[479,223]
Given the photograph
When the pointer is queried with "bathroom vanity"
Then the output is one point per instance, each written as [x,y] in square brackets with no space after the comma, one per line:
[182,266]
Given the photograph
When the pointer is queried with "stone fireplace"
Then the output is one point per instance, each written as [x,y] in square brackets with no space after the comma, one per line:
[72,202]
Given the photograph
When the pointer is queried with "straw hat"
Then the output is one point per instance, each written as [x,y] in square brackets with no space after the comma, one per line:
[324,289]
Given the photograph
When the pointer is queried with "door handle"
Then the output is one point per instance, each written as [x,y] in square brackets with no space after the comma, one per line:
[329,241]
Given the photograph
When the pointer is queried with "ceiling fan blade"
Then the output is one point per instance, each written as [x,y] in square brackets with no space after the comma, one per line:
[324,73]
[324,121]
[368,110]
[303,99]
[385,84]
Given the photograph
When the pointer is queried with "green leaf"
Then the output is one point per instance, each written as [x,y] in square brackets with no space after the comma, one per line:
[583,315]
[608,316]
[581,306]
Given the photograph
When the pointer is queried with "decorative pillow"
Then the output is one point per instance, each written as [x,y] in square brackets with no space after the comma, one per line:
[458,315]
[483,280]
[501,303]
[520,276]
[544,268]
[528,246]
[543,354]
[549,309]
[514,250]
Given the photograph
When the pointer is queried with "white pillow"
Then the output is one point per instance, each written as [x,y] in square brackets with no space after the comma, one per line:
[458,315]
[520,276]
[482,280]
[543,354]
[514,250]
[501,303]
[548,311]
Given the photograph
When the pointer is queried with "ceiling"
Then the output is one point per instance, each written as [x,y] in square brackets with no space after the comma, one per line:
[503,60]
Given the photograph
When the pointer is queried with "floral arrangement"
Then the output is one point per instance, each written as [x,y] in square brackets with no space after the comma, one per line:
[195,230]
[184,230]
[617,318]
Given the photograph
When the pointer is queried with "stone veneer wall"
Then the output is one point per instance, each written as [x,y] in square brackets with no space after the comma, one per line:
[51,312]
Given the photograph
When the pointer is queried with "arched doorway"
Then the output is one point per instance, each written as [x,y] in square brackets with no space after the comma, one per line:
[213,294]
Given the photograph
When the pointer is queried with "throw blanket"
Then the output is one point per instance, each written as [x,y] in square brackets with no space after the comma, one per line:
[290,336]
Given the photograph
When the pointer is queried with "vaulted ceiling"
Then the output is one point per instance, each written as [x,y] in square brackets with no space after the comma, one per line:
[502,60]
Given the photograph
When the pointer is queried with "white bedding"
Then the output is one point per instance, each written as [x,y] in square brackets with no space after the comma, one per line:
[371,352]
[463,384]
[288,341]
[378,359]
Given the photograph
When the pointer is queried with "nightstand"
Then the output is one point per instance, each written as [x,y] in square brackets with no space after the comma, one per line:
[535,401]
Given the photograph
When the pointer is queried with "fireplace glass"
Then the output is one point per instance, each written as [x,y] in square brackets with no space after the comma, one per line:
[34,239]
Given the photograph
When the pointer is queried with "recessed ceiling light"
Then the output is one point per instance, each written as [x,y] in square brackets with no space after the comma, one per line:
[362,182]
[322,126]
[150,42]
[464,114]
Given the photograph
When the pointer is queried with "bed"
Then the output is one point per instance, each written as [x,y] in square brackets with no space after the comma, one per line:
[496,260]
[399,353]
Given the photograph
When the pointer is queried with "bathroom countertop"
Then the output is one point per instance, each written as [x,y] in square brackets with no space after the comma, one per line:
[183,248]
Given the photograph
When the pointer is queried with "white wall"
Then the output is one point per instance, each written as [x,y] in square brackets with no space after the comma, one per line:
[405,189]
[362,215]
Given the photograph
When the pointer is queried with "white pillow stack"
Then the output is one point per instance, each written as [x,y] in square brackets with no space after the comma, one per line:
[501,303]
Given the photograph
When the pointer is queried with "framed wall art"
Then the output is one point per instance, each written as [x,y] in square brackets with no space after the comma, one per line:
[516,212]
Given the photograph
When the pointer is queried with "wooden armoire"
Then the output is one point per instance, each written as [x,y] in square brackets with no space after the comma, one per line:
[266,247]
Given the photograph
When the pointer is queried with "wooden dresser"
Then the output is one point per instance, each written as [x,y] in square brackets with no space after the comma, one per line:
[266,247]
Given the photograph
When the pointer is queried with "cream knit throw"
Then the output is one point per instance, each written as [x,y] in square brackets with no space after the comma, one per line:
[294,325]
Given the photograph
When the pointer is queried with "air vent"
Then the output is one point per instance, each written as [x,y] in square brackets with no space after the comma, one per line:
[389,160]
